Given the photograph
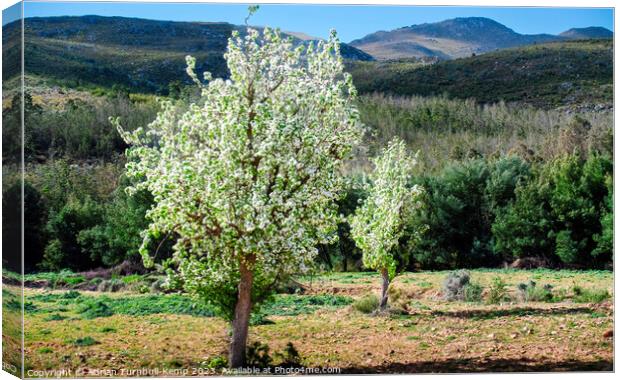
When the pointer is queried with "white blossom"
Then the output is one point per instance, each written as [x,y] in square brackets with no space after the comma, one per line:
[382,219]
[253,171]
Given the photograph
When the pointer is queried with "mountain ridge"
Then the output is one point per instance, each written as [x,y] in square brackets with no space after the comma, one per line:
[453,38]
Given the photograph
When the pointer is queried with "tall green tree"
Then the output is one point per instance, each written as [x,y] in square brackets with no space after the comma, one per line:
[247,181]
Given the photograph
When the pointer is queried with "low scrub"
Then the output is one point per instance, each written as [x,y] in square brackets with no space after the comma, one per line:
[367,304]
[454,285]
[473,292]
[498,291]
[529,292]
[94,308]
[584,295]
[86,341]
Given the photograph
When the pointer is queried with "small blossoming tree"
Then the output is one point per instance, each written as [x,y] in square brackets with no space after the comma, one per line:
[246,181]
[388,214]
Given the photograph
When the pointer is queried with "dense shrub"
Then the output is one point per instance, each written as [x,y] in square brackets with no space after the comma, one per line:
[81,129]
[462,203]
[117,237]
[35,212]
[63,250]
[367,304]
[473,292]
[343,254]
[560,214]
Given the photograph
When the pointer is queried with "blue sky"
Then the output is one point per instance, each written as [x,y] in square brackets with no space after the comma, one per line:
[351,22]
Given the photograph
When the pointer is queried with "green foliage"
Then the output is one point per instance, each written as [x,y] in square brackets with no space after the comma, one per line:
[498,291]
[35,212]
[460,206]
[64,250]
[80,128]
[86,341]
[344,249]
[154,304]
[367,304]
[218,362]
[94,308]
[605,239]
[585,295]
[295,305]
[117,237]
[56,279]
[559,214]
[529,292]
[55,317]
[472,292]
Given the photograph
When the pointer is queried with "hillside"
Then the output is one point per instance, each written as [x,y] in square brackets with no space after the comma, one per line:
[145,55]
[544,75]
[454,38]
[591,32]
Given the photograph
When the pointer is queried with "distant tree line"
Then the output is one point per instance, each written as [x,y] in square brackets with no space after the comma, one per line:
[479,212]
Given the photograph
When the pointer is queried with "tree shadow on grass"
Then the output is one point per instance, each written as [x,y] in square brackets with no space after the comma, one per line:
[517,311]
[483,365]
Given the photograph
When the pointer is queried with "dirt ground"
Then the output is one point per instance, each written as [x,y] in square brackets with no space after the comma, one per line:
[431,335]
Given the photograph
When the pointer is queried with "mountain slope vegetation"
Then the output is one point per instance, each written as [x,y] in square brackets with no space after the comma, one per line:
[144,55]
[544,75]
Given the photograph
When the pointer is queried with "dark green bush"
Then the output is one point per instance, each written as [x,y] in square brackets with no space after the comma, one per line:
[561,214]
[86,341]
[461,205]
[64,226]
[94,308]
[35,212]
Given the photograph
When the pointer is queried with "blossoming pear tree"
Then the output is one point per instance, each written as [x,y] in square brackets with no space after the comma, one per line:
[387,214]
[245,181]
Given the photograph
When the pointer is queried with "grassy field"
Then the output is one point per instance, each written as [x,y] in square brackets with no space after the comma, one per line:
[67,329]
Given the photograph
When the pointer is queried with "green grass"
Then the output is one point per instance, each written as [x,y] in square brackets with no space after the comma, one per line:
[585,295]
[54,317]
[89,307]
[295,305]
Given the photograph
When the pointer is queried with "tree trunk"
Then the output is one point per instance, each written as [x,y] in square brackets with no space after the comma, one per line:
[241,320]
[384,289]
